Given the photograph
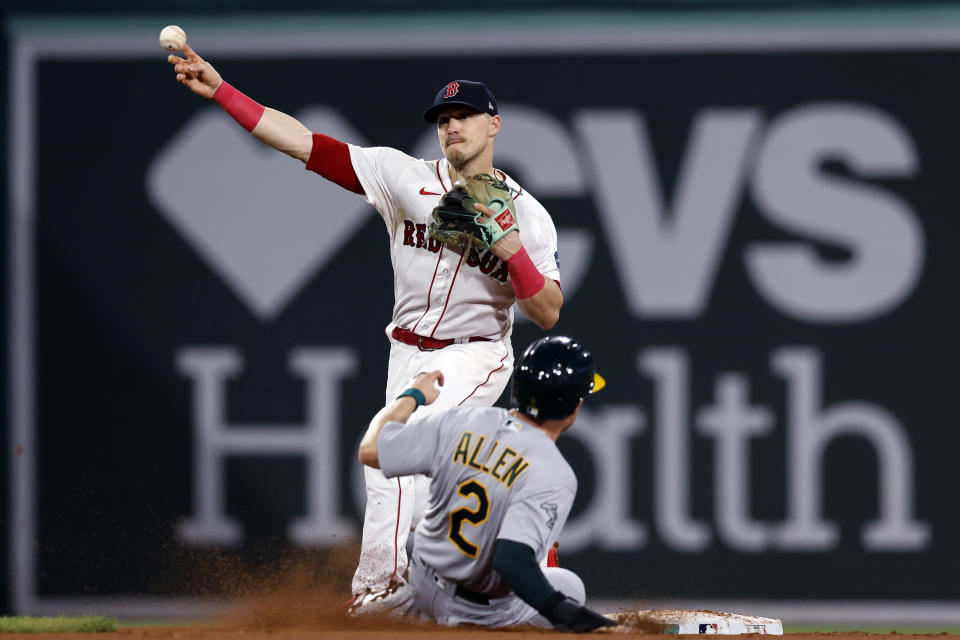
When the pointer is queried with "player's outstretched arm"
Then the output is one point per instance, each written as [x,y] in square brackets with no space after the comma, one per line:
[274,128]
[423,390]
[517,565]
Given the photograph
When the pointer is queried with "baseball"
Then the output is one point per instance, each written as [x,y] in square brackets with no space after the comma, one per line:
[172,38]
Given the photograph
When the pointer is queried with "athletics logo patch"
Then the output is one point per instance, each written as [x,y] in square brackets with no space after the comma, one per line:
[551,510]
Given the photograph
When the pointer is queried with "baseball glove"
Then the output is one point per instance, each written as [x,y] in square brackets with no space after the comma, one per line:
[455,220]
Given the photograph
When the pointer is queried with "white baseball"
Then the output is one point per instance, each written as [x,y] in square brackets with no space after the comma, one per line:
[172,38]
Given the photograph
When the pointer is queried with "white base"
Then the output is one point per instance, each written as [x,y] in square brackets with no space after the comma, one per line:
[696,622]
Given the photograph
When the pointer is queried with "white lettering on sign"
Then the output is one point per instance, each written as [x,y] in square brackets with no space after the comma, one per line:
[606,434]
[880,232]
[671,458]
[318,441]
[666,251]
[732,421]
[666,256]
[811,428]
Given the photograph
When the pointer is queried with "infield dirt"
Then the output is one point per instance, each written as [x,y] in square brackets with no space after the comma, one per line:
[304,598]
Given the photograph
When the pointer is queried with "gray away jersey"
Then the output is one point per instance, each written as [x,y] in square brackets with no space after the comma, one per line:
[494,476]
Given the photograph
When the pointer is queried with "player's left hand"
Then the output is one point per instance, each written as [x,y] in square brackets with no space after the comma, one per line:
[568,615]
[456,221]
[426,382]
[505,247]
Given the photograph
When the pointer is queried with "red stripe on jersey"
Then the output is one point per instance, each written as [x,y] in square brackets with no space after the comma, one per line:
[450,290]
[487,379]
[440,178]
[430,290]
[331,159]
[396,534]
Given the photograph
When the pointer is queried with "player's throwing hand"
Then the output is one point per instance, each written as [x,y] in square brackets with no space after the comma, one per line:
[196,73]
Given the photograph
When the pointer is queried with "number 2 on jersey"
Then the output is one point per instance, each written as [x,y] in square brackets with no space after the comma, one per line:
[468,489]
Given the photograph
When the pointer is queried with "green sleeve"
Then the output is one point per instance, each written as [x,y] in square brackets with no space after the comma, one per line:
[517,565]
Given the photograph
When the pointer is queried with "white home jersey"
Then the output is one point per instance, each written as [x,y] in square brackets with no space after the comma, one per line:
[438,292]
[492,476]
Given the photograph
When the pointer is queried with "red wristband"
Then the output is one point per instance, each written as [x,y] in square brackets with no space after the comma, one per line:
[527,281]
[243,109]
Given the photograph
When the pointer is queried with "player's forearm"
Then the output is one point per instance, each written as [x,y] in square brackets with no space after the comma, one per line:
[543,307]
[399,410]
[284,133]
[539,297]
[518,567]
[424,390]
[280,131]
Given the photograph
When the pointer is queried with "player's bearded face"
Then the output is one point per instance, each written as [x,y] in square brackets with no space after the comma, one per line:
[464,134]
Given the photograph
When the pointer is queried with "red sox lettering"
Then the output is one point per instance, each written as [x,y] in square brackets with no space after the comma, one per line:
[415,235]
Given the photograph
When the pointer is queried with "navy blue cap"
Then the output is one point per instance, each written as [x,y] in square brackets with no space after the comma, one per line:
[462,93]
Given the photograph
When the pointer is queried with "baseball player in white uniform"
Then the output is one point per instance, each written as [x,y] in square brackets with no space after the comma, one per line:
[500,494]
[453,310]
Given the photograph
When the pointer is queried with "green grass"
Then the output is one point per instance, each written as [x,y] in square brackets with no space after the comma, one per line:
[58,624]
[871,628]
[166,622]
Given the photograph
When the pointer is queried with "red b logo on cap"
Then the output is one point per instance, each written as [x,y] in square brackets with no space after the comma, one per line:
[452,89]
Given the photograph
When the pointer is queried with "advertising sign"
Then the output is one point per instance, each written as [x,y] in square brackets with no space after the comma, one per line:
[755,231]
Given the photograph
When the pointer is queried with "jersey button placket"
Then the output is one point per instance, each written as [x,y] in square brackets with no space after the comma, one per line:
[443,280]
[441,287]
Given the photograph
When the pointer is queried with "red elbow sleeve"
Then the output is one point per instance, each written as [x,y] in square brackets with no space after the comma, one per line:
[331,159]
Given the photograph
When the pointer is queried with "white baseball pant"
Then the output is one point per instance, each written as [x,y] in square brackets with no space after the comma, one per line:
[435,599]
[475,374]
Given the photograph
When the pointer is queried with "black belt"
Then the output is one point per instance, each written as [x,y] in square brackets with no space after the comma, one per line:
[471,596]
[460,591]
